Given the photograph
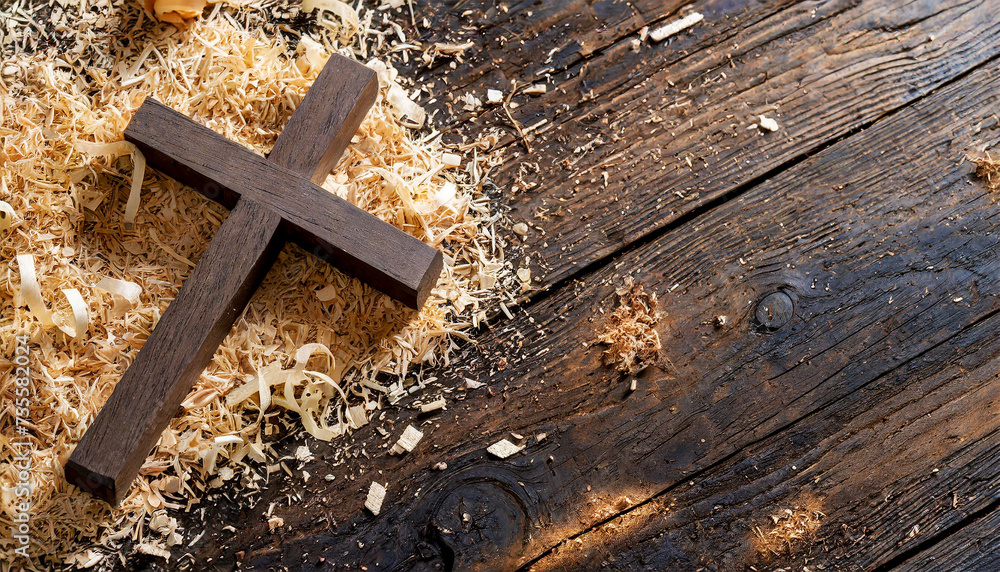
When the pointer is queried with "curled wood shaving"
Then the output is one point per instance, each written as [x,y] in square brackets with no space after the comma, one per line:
[305,392]
[113,151]
[81,317]
[31,293]
[630,333]
[347,15]
[126,294]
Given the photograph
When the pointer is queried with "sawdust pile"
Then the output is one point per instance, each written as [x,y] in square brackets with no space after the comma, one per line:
[313,341]
[790,528]
[630,333]
[988,170]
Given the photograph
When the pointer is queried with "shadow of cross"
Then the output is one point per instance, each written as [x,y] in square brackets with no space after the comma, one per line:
[271,200]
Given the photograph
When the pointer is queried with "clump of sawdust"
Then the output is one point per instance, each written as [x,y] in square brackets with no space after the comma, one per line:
[630,333]
[790,527]
[314,342]
[988,170]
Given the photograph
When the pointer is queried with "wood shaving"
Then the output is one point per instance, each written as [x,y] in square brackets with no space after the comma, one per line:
[113,151]
[376,495]
[32,295]
[988,170]
[347,15]
[667,30]
[66,96]
[302,453]
[630,333]
[503,449]
[125,294]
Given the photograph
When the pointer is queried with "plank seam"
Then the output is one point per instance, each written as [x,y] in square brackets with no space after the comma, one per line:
[703,209]
[929,542]
[511,138]
[721,462]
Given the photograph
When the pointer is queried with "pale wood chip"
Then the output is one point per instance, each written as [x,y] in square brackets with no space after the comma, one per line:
[503,449]
[407,441]
[433,406]
[376,494]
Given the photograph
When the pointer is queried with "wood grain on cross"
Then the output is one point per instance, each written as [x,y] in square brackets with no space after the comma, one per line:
[272,201]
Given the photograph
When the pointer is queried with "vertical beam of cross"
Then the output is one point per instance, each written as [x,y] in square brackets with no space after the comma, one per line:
[272,201]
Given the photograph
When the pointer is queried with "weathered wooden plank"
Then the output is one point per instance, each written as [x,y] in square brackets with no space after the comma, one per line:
[636,140]
[528,40]
[573,38]
[109,455]
[921,278]
[973,548]
[324,224]
[895,468]
[874,238]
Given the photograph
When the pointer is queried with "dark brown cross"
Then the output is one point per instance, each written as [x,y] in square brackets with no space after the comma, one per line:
[271,201]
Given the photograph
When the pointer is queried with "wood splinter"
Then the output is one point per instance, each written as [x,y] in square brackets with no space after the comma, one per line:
[272,200]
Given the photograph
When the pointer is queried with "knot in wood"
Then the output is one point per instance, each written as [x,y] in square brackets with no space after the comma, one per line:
[477,522]
[774,311]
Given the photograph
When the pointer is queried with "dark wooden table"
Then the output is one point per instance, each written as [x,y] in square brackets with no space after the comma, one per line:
[876,404]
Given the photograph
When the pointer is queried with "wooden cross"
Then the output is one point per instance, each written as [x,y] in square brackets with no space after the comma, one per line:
[271,200]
